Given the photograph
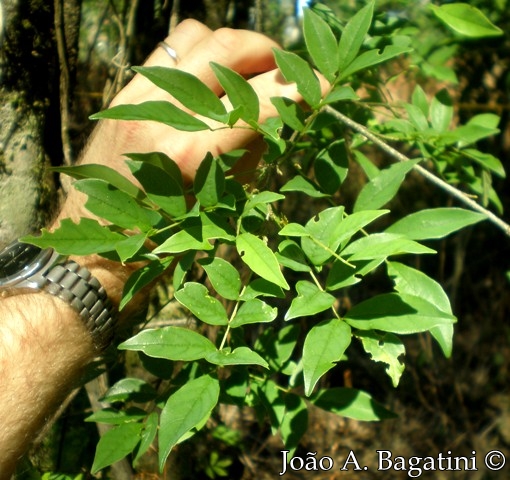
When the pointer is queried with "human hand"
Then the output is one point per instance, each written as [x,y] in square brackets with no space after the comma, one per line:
[248,53]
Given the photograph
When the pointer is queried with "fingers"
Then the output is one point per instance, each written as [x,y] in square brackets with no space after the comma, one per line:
[196,46]
[248,53]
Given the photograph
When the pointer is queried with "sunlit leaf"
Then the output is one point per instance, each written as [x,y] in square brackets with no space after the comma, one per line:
[239,356]
[324,345]
[388,349]
[374,57]
[83,238]
[195,297]
[435,222]
[254,311]
[321,44]
[115,444]
[184,410]
[172,343]
[353,36]
[187,89]
[466,20]
[397,313]
[297,70]
[309,301]
[223,276]
[239,92]
[382,188]
[260,258]
[157,111]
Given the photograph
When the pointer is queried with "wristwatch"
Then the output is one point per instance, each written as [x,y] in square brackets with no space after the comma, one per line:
[26,266]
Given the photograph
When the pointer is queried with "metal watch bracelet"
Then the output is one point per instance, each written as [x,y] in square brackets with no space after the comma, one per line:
[77,287]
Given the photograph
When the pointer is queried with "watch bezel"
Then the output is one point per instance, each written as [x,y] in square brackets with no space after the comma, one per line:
[39,259]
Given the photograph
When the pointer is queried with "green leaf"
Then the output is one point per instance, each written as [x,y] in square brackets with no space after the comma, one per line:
[129,247]
[254,311]
[435,223]
[441,111]
[290,112]
[192,238]
[148,435]
[331,167]
[239,356]
[184,410]
[115,444]
[322,241]
[294,230]
[374,57]
[295,69]
[321,44]
[388,349]
[130,389]
[163,189]
[262,198]
[142,277]
[382,245]
[111,416]
[419,99]
[351,403]
[187,89]
[466,20]
[417,117]
[157,111]
[413,282]
[102,172]
[84,238]
[353,223]
[486,160]
[342,275]
[397,313]
[223,276]
[302,185]
[239,92]
[261,288]
[340,93]
[209,184]
[371,170]
[382,188]
[195,297]
[119,208]
[353,36]
[290,255]
[324,345]
[309,301]
[172,343]
[260,258]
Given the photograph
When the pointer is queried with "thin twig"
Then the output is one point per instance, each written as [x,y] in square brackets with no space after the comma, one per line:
[454,192]
[64,81]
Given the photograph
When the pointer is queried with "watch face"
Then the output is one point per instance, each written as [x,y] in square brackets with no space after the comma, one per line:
[18,261]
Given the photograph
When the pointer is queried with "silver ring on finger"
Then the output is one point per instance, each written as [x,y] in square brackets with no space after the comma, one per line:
[170,51]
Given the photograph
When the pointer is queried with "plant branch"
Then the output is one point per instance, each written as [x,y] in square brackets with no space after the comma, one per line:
[64,81]
[454,192]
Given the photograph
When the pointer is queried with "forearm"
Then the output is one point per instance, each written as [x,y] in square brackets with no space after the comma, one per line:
[44,350]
